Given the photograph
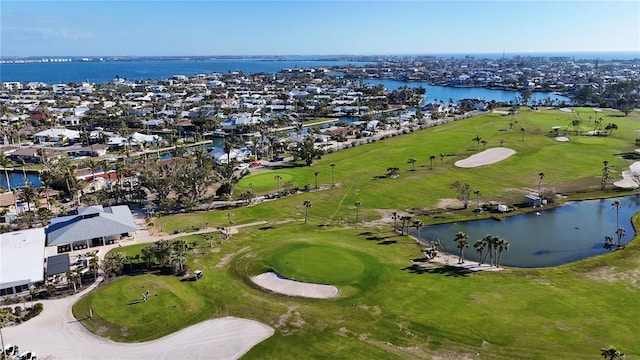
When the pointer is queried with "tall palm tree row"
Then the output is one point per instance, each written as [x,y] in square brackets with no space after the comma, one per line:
[494,247]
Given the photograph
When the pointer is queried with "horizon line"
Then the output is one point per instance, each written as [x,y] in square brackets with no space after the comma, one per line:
[344,55]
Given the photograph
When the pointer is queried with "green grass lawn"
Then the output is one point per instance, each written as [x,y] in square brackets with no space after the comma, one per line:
[305,262]
[387,308]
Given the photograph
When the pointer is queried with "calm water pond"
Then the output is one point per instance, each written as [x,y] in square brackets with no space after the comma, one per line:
[571,232]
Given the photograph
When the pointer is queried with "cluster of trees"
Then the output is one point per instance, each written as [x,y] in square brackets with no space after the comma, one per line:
[489,246]
[166,256]
[622,95]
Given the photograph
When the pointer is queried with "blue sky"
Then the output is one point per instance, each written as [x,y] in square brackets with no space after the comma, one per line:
[138,28]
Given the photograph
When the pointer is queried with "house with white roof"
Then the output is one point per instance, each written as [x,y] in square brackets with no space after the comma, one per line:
[57,135]
[220,157]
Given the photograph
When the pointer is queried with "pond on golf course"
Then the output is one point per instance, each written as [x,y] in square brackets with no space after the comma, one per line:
[571,232]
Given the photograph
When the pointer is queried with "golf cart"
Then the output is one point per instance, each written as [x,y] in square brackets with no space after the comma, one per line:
[197,275]
[27,355]
[9,351]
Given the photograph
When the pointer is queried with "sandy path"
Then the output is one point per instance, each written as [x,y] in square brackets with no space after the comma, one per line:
[56,334]
[280,285]
[487,157]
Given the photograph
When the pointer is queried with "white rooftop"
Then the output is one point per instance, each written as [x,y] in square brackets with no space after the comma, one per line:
[21,257]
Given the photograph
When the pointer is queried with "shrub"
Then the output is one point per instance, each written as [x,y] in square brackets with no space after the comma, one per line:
[17,311]
[33,312]
[549,195]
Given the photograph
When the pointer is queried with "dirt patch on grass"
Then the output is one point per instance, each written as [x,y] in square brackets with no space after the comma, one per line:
[289,322]
[386,217]
[375,310]
[611,274]
[225,259]
[102,330]
[449,204]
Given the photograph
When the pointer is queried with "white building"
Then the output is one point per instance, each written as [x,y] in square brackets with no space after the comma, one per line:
[21,260]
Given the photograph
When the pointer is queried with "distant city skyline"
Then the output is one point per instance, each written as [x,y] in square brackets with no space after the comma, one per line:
[242,28]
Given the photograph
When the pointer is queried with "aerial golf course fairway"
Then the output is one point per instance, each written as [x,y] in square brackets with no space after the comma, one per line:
[387,306]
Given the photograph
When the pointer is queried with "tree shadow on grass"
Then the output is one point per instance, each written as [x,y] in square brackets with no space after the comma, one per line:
[388,242]
[286,166]
[446,270]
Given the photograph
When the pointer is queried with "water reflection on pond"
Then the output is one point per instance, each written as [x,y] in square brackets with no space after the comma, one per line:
[571,232]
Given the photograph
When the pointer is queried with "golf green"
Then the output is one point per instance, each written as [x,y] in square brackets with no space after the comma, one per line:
[317,263]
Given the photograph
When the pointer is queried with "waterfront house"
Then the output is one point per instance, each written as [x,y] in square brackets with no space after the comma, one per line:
[95,150]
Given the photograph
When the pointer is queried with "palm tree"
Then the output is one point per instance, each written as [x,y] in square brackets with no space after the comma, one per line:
[431,158]
[503,245]
[617,205]
[5,162]
[277,178]
[608,242]
[522,130]
[441,158]
[228,147]
[480,245]
[477,193]
[463,242]
[357,204]
[93,165]
[405,222]
[611,353]
[307,205]
[392,172]
[620,232]
[28,195]
[611,127]
[417,223]
[394,216]
[477,139]
[413,164]
[46,184]
[315,174]
[24,172]
[605,175]
[541,175]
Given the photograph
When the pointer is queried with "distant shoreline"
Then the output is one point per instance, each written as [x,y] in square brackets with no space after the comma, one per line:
[580,55]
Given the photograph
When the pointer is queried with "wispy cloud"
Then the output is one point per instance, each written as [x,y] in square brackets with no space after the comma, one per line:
[61,33]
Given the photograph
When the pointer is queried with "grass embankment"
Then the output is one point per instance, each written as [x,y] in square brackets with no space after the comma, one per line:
[388,308]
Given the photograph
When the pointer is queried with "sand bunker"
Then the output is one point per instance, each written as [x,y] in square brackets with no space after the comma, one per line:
[55,333]
[280,285]
[562,138]
[486,157]
[628,181]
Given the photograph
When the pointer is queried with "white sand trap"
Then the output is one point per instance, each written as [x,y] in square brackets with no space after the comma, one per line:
[274,282]
[566,109]
[627,181]
[486,157]
[56,334]
[562,138]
